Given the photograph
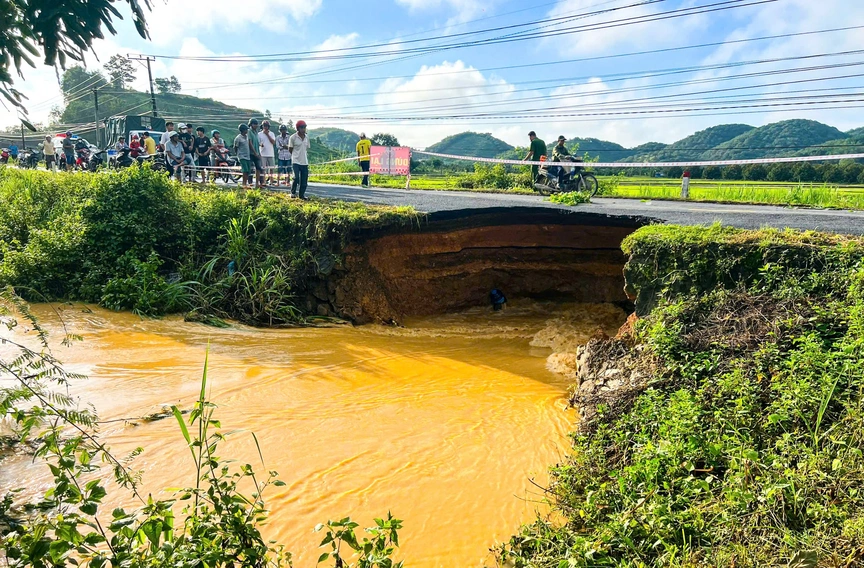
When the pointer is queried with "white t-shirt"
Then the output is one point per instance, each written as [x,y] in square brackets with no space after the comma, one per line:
[301,147]
[266,145]
[166,136]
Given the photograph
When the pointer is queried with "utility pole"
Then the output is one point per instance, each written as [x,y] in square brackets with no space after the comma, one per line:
[23,144]
[96,115]
[148,59]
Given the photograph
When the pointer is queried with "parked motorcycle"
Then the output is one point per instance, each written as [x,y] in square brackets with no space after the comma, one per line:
[96,160]
[82,159]
[574,178]
[225,161]
[4,156]
[29,159]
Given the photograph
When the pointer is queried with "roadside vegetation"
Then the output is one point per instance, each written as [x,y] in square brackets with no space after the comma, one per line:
[740,443]
[134,240]
[216,520]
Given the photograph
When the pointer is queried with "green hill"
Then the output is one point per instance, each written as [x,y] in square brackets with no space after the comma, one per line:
[471,144]
[854,144]
[648,147]
[855,132]
[595,148]
[694,146]
[784,138]
[337,138]
[209,113]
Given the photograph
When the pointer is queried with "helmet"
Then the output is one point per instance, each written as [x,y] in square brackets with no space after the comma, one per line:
[134,137]
[253,121]
[301,123]
[265,123]
[215,132]
[47,137]
[181,125]
[174,133]
[243,128]
[282,127]
[68,133]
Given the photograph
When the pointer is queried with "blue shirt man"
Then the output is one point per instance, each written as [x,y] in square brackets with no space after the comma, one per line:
[13,151]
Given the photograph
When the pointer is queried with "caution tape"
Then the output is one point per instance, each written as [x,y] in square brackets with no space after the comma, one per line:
[651,164]
[351,159]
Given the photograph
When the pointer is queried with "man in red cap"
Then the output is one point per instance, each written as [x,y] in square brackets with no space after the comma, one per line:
[298,145]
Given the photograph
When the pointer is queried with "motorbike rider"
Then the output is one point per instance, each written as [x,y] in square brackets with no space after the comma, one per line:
[536,151]
[560,153]
[68,150]
[135,146]
[121,145]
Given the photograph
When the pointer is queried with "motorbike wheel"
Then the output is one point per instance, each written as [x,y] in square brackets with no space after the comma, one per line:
[589,185]
[541,184]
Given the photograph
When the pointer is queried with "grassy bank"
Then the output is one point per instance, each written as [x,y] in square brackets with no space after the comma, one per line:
[737,439]
[798,194]
[132,239]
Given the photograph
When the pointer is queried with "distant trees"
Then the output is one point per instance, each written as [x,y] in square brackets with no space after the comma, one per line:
[120,70]
[384,139]
[77,79]
[167,85]
[754,172]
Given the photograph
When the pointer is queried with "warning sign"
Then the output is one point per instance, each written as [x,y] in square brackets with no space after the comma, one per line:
[390,160]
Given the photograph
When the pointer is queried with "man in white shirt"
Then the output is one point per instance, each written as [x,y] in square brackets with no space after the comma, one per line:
[166,136]
[267,143]
[298,145]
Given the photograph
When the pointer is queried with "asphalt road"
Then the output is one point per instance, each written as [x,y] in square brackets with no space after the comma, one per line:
[677,212]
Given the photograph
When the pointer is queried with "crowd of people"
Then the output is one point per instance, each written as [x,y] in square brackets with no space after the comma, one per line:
[263,156]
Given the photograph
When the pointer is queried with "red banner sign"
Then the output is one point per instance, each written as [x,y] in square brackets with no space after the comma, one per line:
[390,160]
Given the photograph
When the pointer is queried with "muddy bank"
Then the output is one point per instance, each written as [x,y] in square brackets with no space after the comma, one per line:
[451,261]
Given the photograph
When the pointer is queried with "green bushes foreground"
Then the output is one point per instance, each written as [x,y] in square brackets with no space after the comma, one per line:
[132,239]
[743,447]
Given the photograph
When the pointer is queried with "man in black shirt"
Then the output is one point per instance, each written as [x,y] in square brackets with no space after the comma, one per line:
[202,151]
[188,146]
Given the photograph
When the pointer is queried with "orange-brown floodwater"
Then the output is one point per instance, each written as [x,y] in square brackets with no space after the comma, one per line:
[444,422]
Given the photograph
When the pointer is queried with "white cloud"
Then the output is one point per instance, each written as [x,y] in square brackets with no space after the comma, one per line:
[650,35]
[174,19]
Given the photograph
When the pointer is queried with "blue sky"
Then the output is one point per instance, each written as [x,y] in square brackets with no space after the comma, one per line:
[460,82]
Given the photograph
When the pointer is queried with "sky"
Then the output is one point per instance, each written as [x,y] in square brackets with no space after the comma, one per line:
[574,75]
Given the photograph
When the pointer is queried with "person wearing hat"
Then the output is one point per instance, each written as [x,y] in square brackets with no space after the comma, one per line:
[68,150]
[284,155]
[175,153]
[242,147]
[299,144]
[48,151]
[363,147]
[560,153]
[536,151]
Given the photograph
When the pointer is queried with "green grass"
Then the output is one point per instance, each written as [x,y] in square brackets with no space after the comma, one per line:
[741,443]
[773,193]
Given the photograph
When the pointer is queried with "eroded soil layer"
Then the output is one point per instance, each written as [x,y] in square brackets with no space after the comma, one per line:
[452,261]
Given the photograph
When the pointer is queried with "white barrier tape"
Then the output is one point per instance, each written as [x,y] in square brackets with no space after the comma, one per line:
[313,174]
[650,164]
[352,159]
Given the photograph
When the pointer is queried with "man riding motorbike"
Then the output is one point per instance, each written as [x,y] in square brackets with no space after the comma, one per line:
[560,153]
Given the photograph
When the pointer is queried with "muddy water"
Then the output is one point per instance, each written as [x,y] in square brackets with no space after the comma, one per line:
[445,422]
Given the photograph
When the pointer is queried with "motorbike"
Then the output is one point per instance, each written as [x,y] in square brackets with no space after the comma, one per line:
[4,156]
[574,178]
[225,161]
[96,160]
[28,159]
[82,159]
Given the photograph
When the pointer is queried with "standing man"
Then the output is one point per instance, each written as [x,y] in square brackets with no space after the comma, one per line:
[243,150]
[188,146]
[50,157]
[298,145]
[284,154]
[202,150]
[68,150]
[175,153]
[255,152]
[536,150]
[13,151]
[363,147]
[149,144]
[267,143]
[169,128]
